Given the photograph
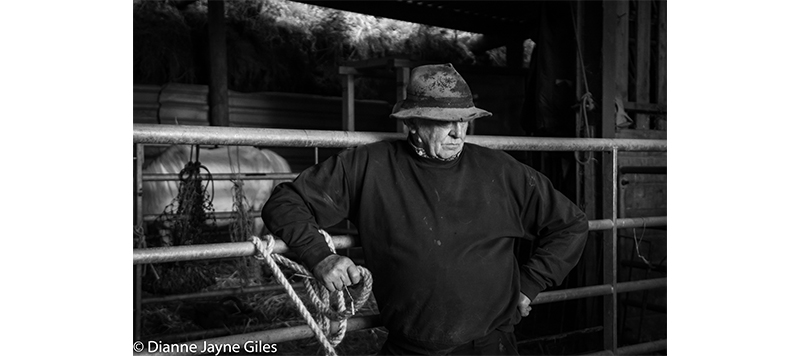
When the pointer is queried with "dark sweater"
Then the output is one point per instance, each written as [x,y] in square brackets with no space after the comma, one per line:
[437,236]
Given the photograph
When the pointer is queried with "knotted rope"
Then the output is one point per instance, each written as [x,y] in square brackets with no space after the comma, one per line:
[319,295]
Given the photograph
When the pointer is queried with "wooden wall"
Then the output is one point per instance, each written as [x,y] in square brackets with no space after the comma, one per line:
[502,92]
[640,67]
[185,104]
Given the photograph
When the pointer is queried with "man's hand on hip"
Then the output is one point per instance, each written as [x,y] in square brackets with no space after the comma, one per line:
[337,272]
[524,304]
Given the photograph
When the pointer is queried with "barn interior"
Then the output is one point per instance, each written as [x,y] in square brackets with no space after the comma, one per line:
[545,69]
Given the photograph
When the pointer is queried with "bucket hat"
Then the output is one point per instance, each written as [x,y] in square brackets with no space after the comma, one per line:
[437,92]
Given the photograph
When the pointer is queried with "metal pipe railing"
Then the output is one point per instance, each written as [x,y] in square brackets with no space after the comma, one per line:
[606,224]
[219,250]
[638,349]
[138,224]
[542,298]
[241,136]
[610,322]
[216,215]
[599,290]
[594,225]
[241,249]
[161,177]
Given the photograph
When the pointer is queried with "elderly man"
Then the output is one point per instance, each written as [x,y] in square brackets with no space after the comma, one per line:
[437,219]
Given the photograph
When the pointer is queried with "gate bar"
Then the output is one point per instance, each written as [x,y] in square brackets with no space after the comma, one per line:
[241,249]
[248,136]
[638,349]
[220,250]
[542,298]
[596,291]
[138,159]
[606,224]
[602,224]
[217,215]
[160,177]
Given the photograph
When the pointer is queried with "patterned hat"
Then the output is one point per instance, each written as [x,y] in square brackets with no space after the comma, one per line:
[437,92]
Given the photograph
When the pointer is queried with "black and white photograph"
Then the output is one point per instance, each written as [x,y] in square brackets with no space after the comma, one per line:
[400,177]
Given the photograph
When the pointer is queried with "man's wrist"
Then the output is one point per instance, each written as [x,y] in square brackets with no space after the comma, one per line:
[530,289]
[312,256]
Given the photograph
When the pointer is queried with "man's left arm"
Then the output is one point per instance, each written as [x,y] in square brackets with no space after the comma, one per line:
[559,230]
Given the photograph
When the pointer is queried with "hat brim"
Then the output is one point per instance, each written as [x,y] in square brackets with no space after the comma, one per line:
[441,114]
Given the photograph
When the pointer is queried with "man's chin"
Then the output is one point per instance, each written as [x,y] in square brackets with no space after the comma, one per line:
[447,153]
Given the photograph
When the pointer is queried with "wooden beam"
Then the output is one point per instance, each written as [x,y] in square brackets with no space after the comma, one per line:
[643,61]
[378,63]
[402,77]
[585,187]
[348,103]
[621,40]
[645,107]
[661,96]
[580,197]
[615,23]
[218,65]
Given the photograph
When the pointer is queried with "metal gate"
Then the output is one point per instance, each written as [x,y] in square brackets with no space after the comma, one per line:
[205,135]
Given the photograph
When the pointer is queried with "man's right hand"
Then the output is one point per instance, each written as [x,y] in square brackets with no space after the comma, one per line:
[337,272]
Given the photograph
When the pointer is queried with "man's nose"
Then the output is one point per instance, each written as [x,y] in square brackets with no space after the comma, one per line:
[458,129]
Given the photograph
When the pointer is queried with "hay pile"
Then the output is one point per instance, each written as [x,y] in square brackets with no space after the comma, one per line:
[205,318]
[283,46]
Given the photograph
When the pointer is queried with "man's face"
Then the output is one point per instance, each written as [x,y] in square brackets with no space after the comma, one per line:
[441,139]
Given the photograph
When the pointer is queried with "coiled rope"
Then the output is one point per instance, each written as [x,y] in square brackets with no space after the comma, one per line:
[320,296]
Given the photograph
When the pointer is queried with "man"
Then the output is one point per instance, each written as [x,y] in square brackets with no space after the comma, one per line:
[437,219]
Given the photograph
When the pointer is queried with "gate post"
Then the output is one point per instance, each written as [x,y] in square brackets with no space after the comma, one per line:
[138,223]
[218,65]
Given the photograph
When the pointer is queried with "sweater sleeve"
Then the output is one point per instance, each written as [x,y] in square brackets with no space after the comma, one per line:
[318,197]
[559,230]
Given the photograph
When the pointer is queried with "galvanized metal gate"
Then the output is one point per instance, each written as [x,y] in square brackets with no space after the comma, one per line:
[169,134]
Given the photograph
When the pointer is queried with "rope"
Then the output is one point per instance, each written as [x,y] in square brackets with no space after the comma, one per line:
[578,45]
[587,102]
[320,296]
